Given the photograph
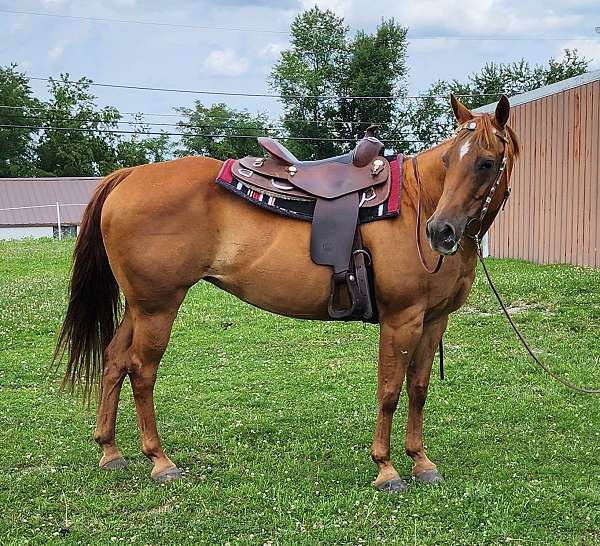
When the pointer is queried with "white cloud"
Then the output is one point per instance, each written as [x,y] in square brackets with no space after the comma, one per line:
[226,62]
[56,51]
[272,50]
[588,49]
[341,8]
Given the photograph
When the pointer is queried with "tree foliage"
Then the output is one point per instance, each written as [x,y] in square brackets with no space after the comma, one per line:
[323,66]
[77,143]
[431,118]
[68,134]
[216,131]
[19,108]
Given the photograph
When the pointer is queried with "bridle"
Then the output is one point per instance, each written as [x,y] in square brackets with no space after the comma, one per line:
[475,223]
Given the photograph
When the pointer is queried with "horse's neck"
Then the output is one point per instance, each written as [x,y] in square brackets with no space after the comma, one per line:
[432,173]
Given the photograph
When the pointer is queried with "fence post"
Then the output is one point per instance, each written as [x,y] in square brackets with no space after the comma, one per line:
[58,218]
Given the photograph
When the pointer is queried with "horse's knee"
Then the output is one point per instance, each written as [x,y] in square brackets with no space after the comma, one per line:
[388,401]
[417,393]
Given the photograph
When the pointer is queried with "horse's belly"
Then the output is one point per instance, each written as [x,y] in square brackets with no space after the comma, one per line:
[273,272]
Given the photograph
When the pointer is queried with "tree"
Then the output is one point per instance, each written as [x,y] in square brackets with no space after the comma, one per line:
[376,68]
[76,138]
[139,151]
[140,147]
[78,142]
[570,65]
[219,131]
[431,118]
[323,66]
[308,76]
[18,108]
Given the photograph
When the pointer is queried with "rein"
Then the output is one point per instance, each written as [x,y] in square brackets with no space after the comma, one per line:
[566,383]
[440,261]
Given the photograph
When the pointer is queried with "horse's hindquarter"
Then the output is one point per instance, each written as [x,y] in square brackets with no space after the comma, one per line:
[168,225]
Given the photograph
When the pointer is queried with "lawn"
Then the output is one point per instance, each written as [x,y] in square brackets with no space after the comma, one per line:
[271,419]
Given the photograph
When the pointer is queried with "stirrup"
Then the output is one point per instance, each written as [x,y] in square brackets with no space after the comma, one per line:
[357,303]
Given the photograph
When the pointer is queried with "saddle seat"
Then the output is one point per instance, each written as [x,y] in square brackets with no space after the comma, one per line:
[328,178]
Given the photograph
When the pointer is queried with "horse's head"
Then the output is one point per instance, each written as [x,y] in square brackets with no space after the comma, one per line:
[476,180]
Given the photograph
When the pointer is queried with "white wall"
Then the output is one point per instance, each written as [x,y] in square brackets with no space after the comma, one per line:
[7,233]
[486,245]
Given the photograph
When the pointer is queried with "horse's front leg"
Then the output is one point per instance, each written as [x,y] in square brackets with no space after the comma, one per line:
[398,339]
[417,377]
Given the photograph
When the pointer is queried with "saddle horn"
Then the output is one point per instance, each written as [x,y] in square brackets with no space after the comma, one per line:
[368,148]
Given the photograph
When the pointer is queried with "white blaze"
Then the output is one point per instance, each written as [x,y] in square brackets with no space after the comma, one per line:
[464,149]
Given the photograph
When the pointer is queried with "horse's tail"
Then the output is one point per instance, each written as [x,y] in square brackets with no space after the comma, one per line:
[94,302]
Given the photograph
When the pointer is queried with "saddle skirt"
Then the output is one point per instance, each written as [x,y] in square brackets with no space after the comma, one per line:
[280,196]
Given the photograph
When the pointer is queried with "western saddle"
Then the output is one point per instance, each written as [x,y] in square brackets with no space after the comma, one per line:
[339,186]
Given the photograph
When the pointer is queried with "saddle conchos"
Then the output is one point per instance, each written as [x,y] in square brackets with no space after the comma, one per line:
[337,195]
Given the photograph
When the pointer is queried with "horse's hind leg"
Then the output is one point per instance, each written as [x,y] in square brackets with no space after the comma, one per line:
[417,377]
[116,365]
[152,330]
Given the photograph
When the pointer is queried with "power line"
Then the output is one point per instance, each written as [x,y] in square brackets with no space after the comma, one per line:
[182,124]
[286,32]
[147,23]
[271,123]
[264,95]
[160,133]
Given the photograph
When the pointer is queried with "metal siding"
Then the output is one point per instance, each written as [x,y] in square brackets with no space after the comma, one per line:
[595,179]
[26,199]
[555,187]
[553,214]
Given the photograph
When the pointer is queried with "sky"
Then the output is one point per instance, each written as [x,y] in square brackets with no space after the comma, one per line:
[444,41]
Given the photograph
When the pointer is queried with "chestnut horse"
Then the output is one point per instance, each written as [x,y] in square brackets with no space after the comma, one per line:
[153,231]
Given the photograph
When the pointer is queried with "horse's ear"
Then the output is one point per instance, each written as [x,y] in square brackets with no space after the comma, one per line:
[502,111]
[461,112]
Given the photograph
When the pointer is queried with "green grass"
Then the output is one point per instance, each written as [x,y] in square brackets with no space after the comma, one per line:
[272,418]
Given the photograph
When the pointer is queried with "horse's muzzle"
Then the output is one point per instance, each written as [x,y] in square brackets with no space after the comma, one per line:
[442,235]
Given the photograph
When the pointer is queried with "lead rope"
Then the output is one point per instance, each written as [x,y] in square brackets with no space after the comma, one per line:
[566,383]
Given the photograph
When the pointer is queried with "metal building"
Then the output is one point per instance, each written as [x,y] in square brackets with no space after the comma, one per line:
[552,215]
[43,207]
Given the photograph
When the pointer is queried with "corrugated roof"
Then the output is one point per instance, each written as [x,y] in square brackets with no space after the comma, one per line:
[32,201]
[545,91]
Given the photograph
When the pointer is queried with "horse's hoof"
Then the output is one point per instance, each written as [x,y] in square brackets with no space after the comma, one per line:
[395,485]
[114,464]
[169,475]
[429,476]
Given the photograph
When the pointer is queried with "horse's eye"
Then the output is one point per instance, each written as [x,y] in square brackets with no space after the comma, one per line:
[485,165]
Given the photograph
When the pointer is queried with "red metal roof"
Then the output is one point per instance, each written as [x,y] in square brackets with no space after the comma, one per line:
[32,201]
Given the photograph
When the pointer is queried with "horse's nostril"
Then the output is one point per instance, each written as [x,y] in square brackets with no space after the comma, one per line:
[427,230]
[447,232]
